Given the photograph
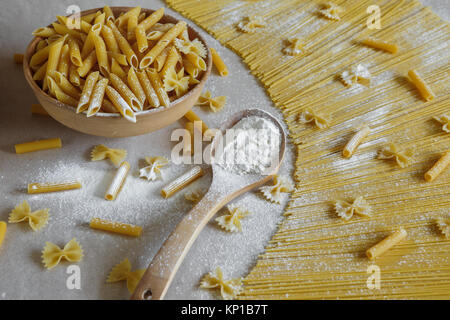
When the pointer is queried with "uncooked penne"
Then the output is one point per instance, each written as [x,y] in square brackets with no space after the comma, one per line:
[150,93]
[355,141]
[386,244]
[190,68]
[126,92]
[196,60]
[191,116]
[182,181]
[65,85]
[40,56]
[152,19]
[172,59]
[64,62]
[54,56]
[123,19]
[424,89]
[44,32]
[89,44]
[117,69]
[118,181]
[218,63]
[109,15]
[141,39]
[97,96]
[102,56]
[83,103]
[136,87]
[110,40]
[116,227]
[131,26]
[124,45]
[381,45]
[161,59]
[120,104]
[88,64]
[74,77]
[40,73]
[2,232]
[120,58]
[155,80]
[438,167]
[74,52]
[165,40]
[53,187]
[38,145]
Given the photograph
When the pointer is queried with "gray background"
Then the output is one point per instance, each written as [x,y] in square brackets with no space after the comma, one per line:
[22,275]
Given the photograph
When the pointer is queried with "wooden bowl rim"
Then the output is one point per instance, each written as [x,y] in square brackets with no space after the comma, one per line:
[30,50]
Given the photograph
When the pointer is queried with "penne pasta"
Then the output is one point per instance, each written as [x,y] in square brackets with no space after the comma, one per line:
[40,73]
[74,77]
[97,96]
[89,44]
[74,52]
[155,80]
[65,85]
[65,98]
[438,167]
[54,56]
[218,63]
[116,227]
[64,60]
[381,45]
[190,68]
[125,92]
[40,56]
[152,19]
[386,244]
[117,69]
[141,39]
[90,17]
[118,181]
[109,15]
[124,45]
[44,32]
[88,64]
[420,84]
[165,40]
[38,145]
[161,59]
[196,60]
[172,59]
[150,93]
[110,40]
[102,56]
[355,141]
[41,44]
[191,116]
[34,188]
[154,35]
[182,181]
[2,232]
[120,104]
[100,19]
[18,58]
[108,107]
[131,26]
[64,31]
[120,58]
[83,103]
[136,87]
[123,19]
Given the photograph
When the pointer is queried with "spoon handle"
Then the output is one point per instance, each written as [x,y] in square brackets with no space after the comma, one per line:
[161,271]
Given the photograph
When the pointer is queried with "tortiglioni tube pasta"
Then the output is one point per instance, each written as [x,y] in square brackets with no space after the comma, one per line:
[355,141]
[118,181]
[182,181]
[386,244]
[438,167]
[2,232]
[53,187]
[424,89]
[116,227]
[218,63]
[38,145]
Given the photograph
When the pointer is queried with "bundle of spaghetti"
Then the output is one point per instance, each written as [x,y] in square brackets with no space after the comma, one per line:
[315,254]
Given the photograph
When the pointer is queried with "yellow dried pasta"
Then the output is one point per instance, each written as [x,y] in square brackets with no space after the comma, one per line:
[102,152]
[402,157]
[215,104]
[438,167]
[250,24]
[116,227]
[36,219]
[331,11]
[346,210]
[153,170]
[280,185]
[122,272]
[445,121]
[295,47]
[358,74]
[231,221]
[444,227]
[52,254]
[319,119]
[176,81]
[229,289]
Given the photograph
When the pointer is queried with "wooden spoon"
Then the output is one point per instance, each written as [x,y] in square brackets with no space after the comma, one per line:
[225,186]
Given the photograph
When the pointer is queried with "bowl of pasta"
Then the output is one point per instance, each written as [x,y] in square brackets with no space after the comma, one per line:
[117,71]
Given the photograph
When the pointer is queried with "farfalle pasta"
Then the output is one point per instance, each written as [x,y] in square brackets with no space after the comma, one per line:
[122,272]
[52,254]
[229,289]
[319,119]
[346,210]
[187,46]
[36,219]
[331,11]
[295,47]
[402,157]
[214,103]
[232,220]
[443,227]
[153,170]
[280,185]
[251,24]
[445,121]
[176,81]
[358,74]
[102,152]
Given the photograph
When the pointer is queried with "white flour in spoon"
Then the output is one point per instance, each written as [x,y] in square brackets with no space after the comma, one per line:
[251,147]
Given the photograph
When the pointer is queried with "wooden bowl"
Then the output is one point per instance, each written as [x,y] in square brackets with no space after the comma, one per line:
[112,124]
